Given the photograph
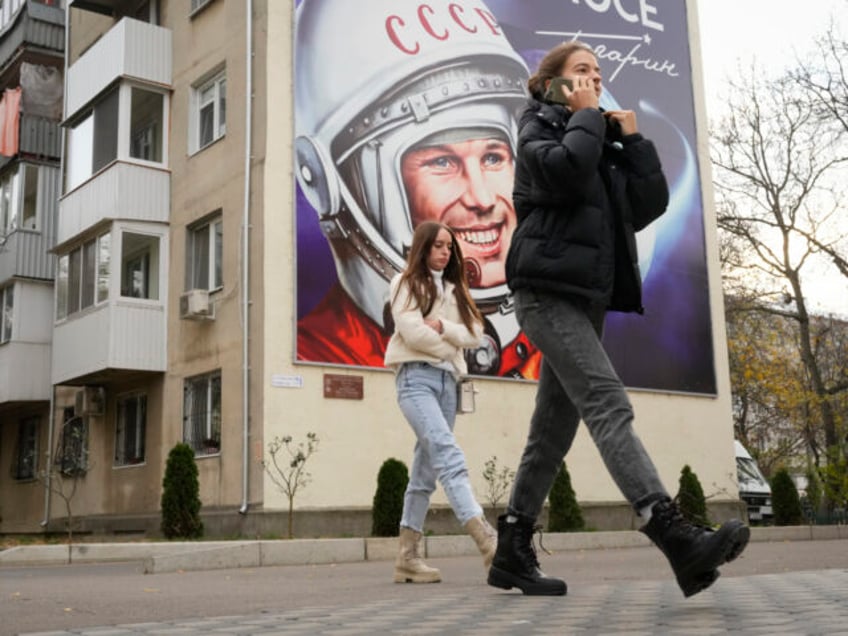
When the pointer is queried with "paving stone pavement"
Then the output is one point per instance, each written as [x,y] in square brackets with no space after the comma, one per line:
[806,602]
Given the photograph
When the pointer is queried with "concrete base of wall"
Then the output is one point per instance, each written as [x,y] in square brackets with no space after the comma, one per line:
[227,523]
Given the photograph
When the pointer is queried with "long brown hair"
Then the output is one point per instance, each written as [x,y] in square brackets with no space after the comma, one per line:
[551,65]
[421,284]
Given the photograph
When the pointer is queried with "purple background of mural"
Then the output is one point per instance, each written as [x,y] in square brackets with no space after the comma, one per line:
[670,346]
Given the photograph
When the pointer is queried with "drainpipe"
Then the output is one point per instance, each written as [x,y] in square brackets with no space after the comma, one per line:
[245,265]
[52,416]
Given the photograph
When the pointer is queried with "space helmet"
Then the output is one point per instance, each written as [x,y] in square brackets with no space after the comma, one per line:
[373,79]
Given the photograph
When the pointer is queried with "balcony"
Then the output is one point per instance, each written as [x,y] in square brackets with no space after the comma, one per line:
[111,292]
[131,191]
[111,340]
[30,29]
[25,356]
[132,50]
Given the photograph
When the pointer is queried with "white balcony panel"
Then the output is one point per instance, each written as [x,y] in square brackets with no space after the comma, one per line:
[24,371]
[130,49]
[137,336]
[116,336]
[122,191]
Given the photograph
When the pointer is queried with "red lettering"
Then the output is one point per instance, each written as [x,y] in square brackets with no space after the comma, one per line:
[395,37]
[489,20]
[426,23]
[454,9]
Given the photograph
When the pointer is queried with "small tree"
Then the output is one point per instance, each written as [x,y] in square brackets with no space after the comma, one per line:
[181,495]
[785,500]
[564,514]
[68,467]
[690,498]
[498,481]
[287,471]
[387,507]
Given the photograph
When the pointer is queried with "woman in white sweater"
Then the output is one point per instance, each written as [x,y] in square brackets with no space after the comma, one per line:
[435,319]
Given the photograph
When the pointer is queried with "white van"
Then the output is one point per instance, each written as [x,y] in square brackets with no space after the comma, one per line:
[754,490]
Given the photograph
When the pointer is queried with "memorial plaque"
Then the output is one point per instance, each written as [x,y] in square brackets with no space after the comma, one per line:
[343,387]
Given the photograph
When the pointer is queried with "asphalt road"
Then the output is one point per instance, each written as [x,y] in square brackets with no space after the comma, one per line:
[48,598]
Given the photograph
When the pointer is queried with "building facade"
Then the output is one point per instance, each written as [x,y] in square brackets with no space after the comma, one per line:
[150,282]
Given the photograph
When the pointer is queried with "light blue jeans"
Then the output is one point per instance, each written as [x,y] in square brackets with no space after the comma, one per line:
[576,381]
[427,397]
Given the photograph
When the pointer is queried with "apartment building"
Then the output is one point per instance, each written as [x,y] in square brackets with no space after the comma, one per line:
[162,291]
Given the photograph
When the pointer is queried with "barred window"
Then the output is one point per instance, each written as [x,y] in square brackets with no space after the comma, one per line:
[130,430]
[72,457]
[26,453]
[202,413]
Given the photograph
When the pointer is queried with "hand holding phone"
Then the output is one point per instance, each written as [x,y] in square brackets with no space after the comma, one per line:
[555,92]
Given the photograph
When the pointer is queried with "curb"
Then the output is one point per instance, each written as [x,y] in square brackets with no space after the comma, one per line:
[160,557]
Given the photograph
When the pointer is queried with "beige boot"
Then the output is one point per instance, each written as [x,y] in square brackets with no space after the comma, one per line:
[409,566]
[485,537]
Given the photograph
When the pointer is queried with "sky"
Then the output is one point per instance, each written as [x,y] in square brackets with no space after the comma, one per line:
[775,33]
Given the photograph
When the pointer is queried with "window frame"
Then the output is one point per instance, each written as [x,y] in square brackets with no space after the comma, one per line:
[6,293]
[214,253]
[214,80]
[72,455]
[121,457]
[209,442]
[24,456]
[65,280]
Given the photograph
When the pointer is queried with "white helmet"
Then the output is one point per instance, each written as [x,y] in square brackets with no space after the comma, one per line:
[373,78]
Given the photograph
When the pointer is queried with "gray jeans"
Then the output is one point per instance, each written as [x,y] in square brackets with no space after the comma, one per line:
[576,381]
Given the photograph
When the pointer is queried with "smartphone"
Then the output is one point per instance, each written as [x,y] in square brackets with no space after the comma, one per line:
[554,92]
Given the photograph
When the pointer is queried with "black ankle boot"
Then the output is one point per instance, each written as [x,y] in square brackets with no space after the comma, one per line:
[694,551]
[515,563]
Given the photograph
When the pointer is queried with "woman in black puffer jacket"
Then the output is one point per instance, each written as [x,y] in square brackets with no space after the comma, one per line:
[586,181]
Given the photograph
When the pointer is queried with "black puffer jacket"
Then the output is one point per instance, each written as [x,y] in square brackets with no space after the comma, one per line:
[581,192]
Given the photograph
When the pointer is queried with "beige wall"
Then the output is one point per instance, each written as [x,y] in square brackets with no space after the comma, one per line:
[357,436]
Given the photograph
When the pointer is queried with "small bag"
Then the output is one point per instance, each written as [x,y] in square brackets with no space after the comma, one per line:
[465,396]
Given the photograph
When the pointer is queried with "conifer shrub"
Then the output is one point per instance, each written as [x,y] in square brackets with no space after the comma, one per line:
[690,498]
[564,514]
[388,499]
[180,501]
[785,501]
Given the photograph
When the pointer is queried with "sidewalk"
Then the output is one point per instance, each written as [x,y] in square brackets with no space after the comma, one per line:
[778,586]
[160,557]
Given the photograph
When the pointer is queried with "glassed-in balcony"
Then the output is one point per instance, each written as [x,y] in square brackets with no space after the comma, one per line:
[111,292]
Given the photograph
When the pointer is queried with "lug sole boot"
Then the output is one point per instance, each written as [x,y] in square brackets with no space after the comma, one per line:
[694,552]
[409,566]
[485,537]
[515,564]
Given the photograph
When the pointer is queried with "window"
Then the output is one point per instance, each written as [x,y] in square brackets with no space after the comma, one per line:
[140,266]
[147,113]
[130,430]
[202,413]
[209,111]
[7,298]
[9,195]
[83,276]
[205,251]
[92,141]
[26,454]
[29,219]
[72,457]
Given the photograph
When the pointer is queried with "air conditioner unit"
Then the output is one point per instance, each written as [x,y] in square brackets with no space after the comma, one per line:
[90,400]
[195,305]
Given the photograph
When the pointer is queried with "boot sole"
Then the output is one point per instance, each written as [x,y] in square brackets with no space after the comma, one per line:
[506,581]
[731,547]
[408,578]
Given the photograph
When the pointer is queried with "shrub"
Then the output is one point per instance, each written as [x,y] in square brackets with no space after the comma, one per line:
[785,500]
[690,498]
[388,500]
[564,514]
[181,496]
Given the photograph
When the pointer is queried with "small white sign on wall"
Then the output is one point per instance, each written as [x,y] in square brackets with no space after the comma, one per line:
[287,381]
